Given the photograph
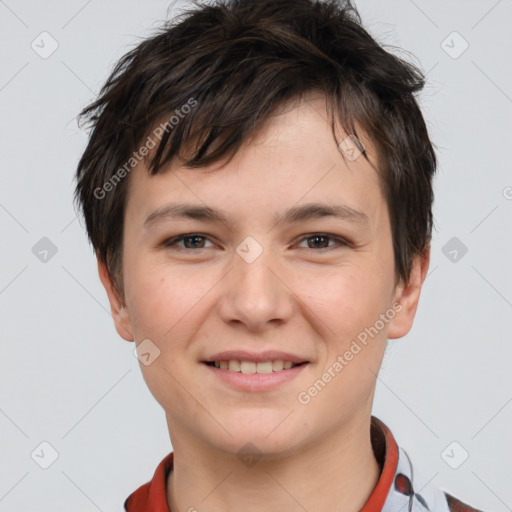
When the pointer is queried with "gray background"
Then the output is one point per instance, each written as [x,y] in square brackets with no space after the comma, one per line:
[67,379]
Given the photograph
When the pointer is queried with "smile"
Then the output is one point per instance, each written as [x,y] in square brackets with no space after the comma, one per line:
[248,367]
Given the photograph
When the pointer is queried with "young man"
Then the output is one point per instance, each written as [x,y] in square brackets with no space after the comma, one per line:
[257,189]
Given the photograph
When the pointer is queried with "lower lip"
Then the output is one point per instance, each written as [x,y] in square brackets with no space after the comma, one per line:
[255,381]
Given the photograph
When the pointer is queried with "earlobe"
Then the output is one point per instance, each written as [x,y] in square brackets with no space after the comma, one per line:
[408,296]
[118,309]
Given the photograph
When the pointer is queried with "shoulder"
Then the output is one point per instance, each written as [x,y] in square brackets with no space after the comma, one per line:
[456,505]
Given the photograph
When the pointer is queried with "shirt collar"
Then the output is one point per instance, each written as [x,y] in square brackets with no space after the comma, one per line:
[393,491]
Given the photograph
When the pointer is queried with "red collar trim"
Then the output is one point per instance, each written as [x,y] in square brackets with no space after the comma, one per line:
[384,442]
[152,496]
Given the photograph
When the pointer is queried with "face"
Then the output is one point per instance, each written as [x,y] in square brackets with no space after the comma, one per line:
[268,275]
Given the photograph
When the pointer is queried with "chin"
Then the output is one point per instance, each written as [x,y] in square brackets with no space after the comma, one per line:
[267,433]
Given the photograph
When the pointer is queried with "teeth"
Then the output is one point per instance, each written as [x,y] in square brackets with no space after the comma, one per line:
[264,367]
[252,367]
[277,365]
[234,366]
[248,366]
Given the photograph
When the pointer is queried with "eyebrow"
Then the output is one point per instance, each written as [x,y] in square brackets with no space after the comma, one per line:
[295,214]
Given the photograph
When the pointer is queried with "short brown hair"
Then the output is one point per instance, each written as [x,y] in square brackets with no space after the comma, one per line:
[239,60]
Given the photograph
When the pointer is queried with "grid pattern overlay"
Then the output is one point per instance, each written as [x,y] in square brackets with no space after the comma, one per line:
[78,428]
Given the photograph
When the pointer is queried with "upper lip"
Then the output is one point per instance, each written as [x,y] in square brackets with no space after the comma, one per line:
[257,357]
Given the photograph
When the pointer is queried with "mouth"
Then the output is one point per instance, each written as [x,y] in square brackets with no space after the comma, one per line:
[252,367]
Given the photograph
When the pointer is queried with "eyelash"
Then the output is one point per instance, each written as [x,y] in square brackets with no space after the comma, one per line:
[171,242]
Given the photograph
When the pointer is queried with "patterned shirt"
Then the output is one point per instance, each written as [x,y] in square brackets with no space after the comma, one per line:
[394,491]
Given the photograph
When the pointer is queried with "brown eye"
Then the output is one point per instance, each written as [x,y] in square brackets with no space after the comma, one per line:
[196,242]
[322,240]
[318,242]
[190,241]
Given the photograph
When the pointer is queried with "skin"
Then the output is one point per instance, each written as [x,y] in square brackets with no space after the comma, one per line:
[297,296]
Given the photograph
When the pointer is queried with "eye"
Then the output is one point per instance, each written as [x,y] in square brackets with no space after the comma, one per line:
[321,241]
[191,240]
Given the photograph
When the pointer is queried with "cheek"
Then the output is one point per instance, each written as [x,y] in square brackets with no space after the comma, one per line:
[346,299]
[163,306]
[165,300]
[157,307]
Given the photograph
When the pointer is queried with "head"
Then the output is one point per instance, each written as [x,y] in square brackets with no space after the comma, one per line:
[219,125]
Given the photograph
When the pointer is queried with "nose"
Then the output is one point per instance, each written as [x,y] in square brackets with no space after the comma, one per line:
[255,294]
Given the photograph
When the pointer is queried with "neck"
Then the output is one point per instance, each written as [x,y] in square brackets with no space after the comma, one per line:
[338,473]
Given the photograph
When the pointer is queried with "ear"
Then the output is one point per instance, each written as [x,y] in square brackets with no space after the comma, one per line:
[409,296]
[119,310]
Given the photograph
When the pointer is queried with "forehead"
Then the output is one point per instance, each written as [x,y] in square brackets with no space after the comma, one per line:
[294,159]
